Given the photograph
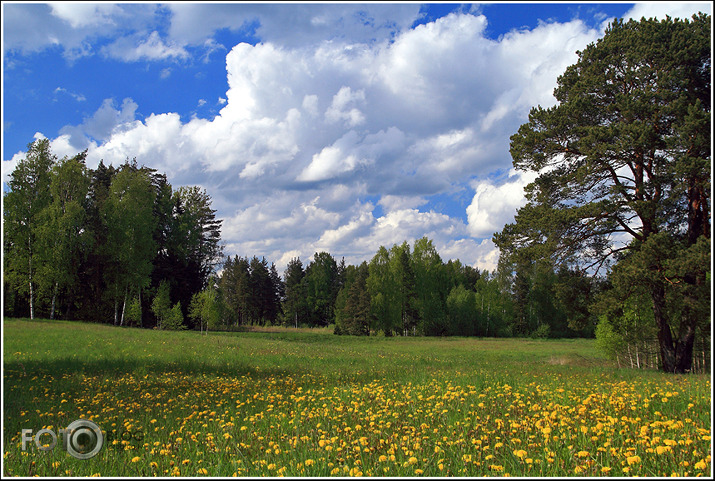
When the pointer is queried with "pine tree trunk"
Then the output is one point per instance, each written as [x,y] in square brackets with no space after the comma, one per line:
[684,350]
[665,337]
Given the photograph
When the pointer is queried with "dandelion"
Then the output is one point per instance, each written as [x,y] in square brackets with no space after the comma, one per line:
[136,459]
[605,469]
[582,454]
[701,465]
[309,462]
[633,460]
[202,471]
[520,453]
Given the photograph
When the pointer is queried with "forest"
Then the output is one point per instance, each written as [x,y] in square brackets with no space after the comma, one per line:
[120,245]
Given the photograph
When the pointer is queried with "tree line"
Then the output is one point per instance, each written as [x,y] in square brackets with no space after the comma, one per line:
[403,291]
[100,244]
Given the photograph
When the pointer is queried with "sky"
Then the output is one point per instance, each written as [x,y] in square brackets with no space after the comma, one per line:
[314,127]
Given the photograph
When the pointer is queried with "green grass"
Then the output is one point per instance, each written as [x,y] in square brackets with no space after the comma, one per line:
[307,403]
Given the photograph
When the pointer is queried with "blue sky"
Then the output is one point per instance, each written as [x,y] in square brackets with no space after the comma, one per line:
[337,127]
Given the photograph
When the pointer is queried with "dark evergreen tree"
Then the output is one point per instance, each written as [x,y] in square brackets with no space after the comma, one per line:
[627,151]
[295,303]
[321,278]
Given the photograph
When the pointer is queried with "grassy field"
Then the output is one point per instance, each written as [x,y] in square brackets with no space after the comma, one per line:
[286,402]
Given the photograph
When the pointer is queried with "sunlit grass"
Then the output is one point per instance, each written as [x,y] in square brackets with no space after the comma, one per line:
[281,402]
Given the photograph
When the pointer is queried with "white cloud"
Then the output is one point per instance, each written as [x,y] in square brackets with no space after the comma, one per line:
[401,121]
[138,47]
[493,206]
[292,24]
[105,122]
[673,9]
[309,131]
[76,96]
[343,107]
[86,14]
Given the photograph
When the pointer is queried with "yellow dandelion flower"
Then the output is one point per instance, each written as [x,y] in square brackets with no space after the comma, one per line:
[202,471]
[582,454]
[520,453]
[309,462]
[412,460]
[136,459]
[701,465]
[633,460]
[185,462]
[605,469]
[418,472]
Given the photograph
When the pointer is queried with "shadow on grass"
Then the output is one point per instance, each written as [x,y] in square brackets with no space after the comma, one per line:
[123,366]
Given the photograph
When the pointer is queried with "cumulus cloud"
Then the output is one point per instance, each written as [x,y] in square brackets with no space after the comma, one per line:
[107,120]
[338,144]
[307,133]
[72,26]
[673,9]
[139,47]
[292,24]
[493,206]
[86,14]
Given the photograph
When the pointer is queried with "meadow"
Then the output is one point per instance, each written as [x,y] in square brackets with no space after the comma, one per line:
[287,402]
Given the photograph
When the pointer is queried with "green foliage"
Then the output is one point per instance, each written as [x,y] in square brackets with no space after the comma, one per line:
[174,320]
[462,312]
[382,287]
[625,152]
[541,332]
[295,307]
[29,195]
[205,308]
[352,307]
[321,278]
[161,305]
[134,312]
